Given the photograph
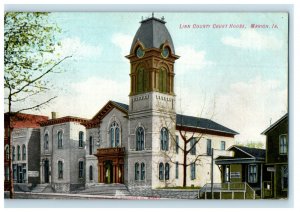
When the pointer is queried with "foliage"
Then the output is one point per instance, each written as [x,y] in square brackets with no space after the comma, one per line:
[29,55]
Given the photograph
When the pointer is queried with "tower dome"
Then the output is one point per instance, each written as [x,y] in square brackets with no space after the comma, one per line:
[152,34]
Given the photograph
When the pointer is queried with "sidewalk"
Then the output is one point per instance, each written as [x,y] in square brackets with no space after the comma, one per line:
[30,195]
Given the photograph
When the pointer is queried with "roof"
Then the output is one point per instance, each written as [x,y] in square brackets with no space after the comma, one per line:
[23,120]
[63,120]
[202,123]
[253,152]
[152,34]
[188,121]
[275,124]
[242,154]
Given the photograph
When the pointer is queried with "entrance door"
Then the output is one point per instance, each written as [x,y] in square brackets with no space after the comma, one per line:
[46,169]
[108,171]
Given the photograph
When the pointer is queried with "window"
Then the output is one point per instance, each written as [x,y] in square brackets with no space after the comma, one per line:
[252,173]
[114,134]
[161,171]
[163,80]
[284,177]
[164,139]
[91,145]
[15,172]
[59,139]
[80,169]
[136,171]
[193,171]
[223,145]
[91,173]
[80,144]
[7,152]
[13,153]
[140,139]
[167,171]
[60,169]
[46,141]
[208,146]
[227,174]
[176,170]
[6,173]
[193,146]
[18,153]
[23,152]
[177,144]
[142,80]
[142,171]
[283,144]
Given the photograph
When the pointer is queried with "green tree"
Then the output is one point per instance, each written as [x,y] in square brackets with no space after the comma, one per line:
[30,41]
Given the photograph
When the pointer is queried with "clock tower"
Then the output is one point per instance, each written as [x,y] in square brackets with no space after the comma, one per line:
[151,100]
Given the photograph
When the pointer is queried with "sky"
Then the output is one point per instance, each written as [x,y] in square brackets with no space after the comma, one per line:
[236,76]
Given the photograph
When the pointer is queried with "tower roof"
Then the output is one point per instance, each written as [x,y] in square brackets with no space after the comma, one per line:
[152,34]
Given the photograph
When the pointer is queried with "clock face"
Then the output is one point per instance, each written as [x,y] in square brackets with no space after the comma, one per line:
[140,52]
[165,52]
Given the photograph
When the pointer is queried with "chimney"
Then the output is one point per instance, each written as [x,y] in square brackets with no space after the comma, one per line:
[53,115]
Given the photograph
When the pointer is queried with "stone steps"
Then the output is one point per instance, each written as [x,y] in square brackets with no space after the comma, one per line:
[39,188]
[105,189]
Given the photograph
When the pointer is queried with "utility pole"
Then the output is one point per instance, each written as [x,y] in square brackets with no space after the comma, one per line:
[212,172]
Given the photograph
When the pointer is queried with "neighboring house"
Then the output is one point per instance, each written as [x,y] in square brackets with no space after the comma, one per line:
[245,165]
[25,149]
[276,180]
[62,147]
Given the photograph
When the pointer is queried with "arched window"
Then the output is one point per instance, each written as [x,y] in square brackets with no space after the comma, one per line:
[91,173]
[59,139]
[162,80]
[140,139]
[46,141]
[91,145]
[140,80]
[7,152]
[60,169]
[23,152]
[142,171]
[164,139]
[13,153]
[114,134]
[161,171]
[80,144]
[167,171]
[136,171]
[18,153]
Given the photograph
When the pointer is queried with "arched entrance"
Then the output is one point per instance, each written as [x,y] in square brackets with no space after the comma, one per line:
[111,165]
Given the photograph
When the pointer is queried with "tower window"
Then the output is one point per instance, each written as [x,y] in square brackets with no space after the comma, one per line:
[142,80]
[162,80]
[164,139]
[140,139]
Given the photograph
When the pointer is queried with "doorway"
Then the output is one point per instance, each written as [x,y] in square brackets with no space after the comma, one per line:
[108,171]
[46,171]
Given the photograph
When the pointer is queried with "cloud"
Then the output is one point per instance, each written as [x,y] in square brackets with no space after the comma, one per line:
[122,41]
[86,98]
[190,59]
[248,107]
[252,39]
[78,49]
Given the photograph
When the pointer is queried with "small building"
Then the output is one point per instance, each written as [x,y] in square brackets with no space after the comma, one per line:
[62,148]
[25,137]
[246,165]
[276,178]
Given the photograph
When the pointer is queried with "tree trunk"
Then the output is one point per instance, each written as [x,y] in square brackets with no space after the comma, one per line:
[9,133]
[184,165]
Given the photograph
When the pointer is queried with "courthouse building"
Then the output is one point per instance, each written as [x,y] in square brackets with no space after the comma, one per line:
[138,143]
